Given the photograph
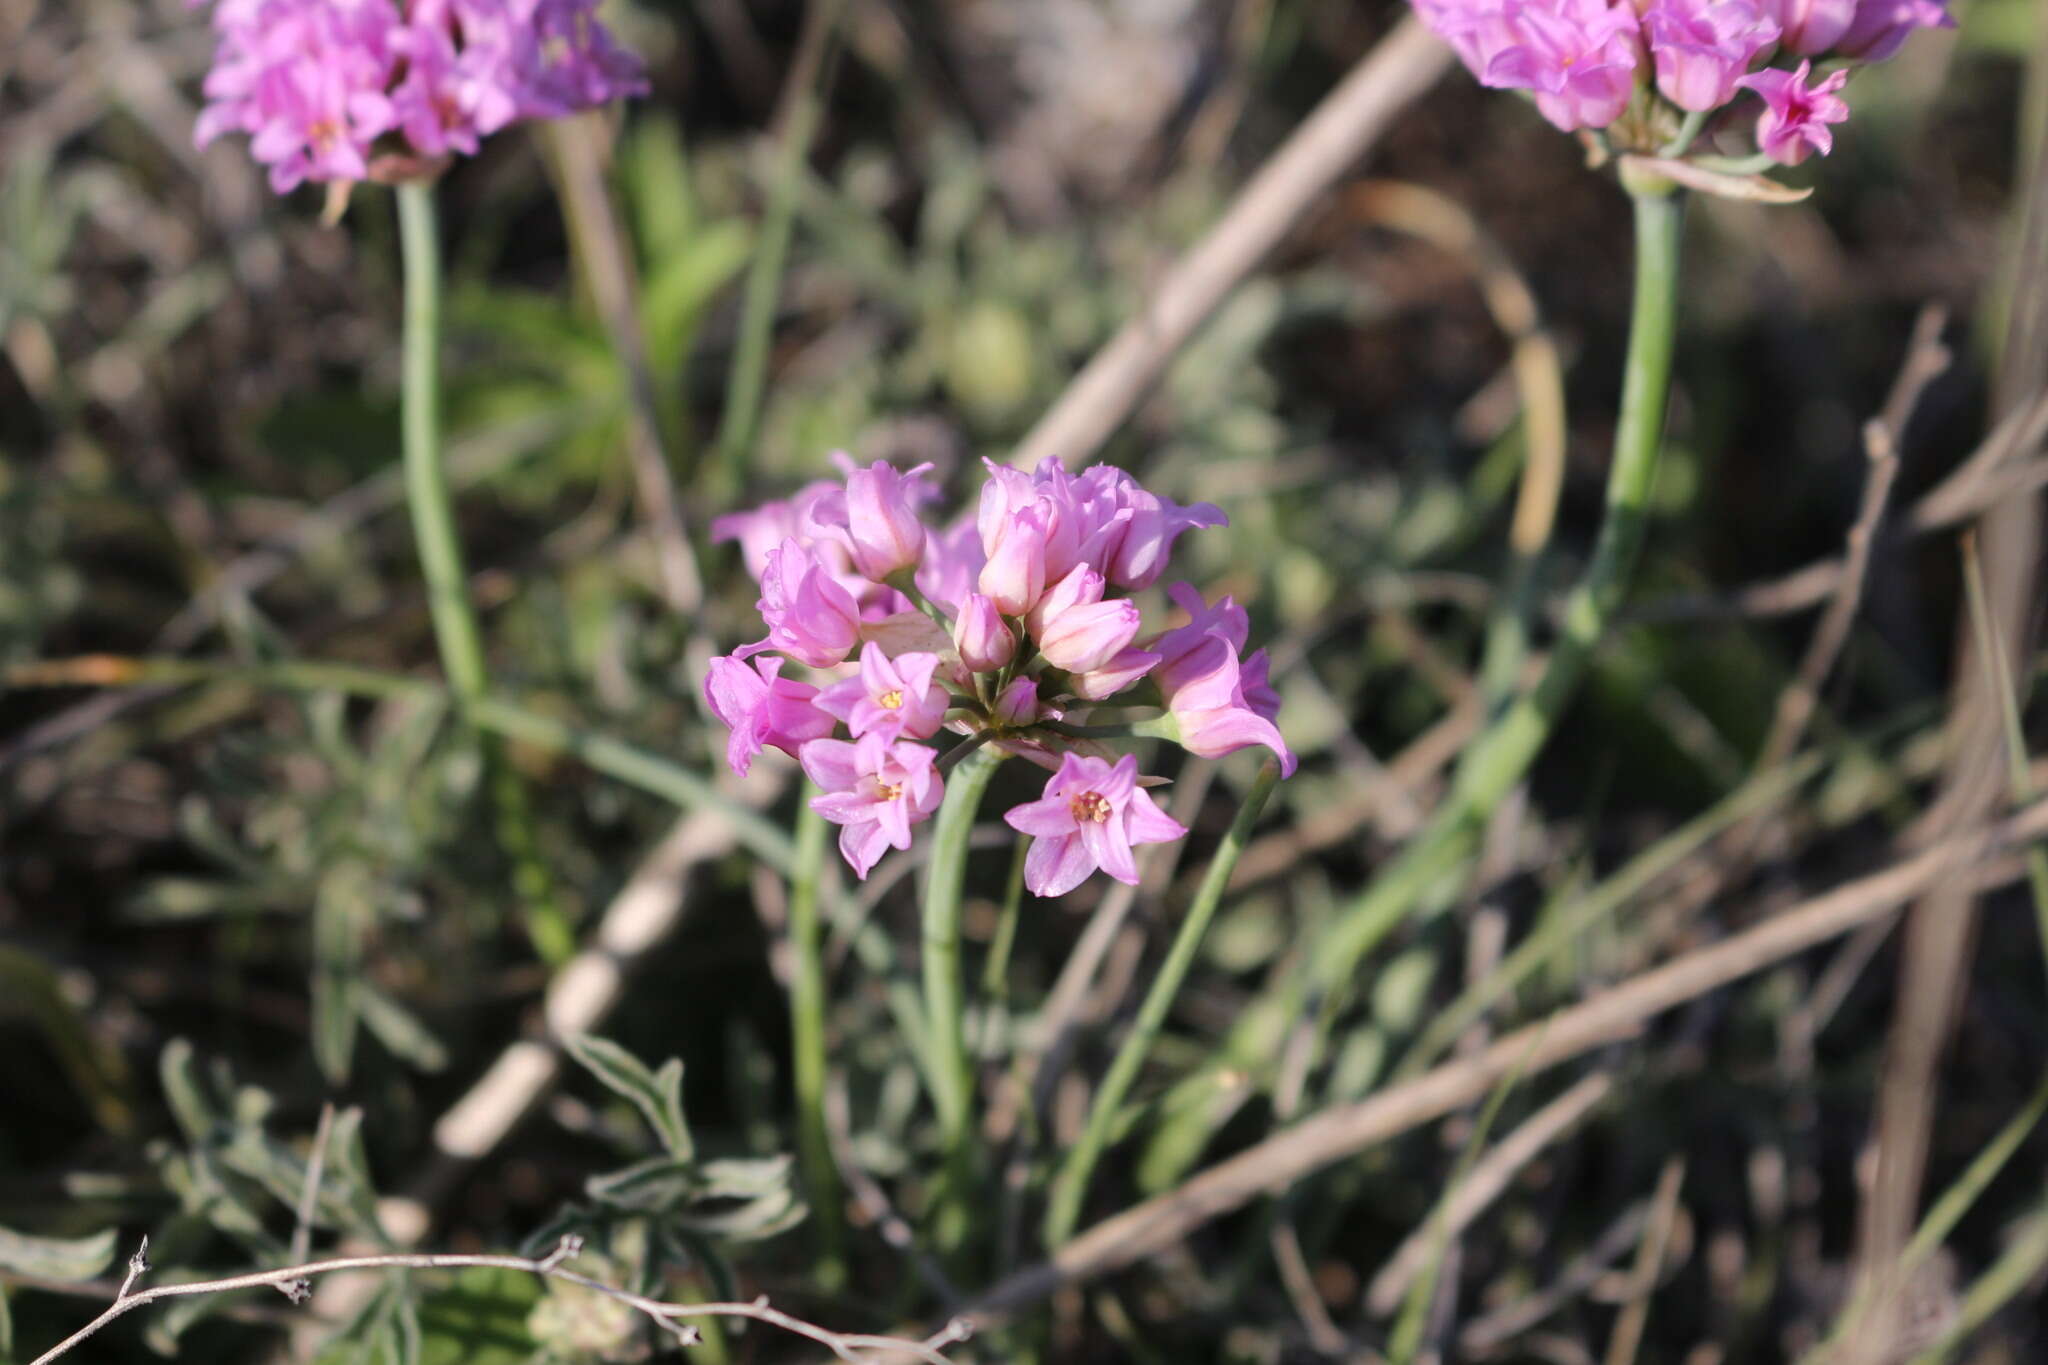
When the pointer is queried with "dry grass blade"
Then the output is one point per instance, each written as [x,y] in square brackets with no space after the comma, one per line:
[1487,1180]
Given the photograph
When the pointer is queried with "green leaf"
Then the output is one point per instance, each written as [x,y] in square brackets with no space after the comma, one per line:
[658,1095]
[399,1029]
[344,912]
[654,1185]
[57,1258]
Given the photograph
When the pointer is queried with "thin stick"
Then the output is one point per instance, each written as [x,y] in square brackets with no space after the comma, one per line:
[1979,858]
[1627,1337]
[1349,120]
[1926,359]
[1488,1178]
[849,1347]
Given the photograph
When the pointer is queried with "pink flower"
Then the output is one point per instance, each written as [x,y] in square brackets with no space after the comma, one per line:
[952,564]
[1090,817]
[763,529]
[1810,27]
[1014,576]
[762,709]
[875,790]
[984,640]
[316,82]
[875,517]
[1138,528]
[1702,47]
[895,698]
[1221,703]
[1473,28]
[1797,115]
[1881,27]
[1577,56]
[1075,629]
[1119,672]
[1224,620]
[810,617]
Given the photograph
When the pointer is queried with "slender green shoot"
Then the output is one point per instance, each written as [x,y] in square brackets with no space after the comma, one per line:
[441,565]
[1070,1186]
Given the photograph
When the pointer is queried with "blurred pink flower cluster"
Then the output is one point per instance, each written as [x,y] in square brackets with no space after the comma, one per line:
[316,83]
[1583,61]
[1002,629]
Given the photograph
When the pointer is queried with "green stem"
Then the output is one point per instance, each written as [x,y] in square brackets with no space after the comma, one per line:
[441,566]
[1501,757]
[807,1045]
[426,486]
[1070,1186]
[952,1078]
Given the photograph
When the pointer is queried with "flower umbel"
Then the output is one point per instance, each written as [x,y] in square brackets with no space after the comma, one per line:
[1580,61]
[1014,631]
[325,87]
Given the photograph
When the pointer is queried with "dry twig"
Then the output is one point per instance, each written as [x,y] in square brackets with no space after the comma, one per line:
[854,1348]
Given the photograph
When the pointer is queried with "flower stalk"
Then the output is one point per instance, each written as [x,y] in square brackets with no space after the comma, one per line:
[441,562]
[1502,756]
[952,1076]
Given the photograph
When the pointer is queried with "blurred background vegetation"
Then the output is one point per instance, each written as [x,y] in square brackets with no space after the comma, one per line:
[224,905]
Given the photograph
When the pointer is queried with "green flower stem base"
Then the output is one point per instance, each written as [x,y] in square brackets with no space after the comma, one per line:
[1501,757]
[952,1077]
[1070,1186]
[440,551]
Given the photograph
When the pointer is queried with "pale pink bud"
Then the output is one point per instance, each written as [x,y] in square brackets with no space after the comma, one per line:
[762,709]
[1089,635]
[1810,27]
[1702,47]
[882,520]
[983,638]
[1014,577]
[1104,682]
[1016,706]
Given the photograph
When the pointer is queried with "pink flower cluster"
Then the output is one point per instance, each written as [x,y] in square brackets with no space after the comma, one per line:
[1583,61]
[1002,630]
[316,83]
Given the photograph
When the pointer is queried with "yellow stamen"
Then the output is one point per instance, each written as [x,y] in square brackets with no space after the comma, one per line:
[890,700]
[1091,807]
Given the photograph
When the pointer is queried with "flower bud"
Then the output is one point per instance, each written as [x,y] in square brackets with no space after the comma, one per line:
[1089,635]
[982,636]
[1017,705]
[882,520]
[1014,577]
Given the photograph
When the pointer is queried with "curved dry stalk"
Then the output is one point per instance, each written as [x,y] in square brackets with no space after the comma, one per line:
[1350,119]
[854,1348]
